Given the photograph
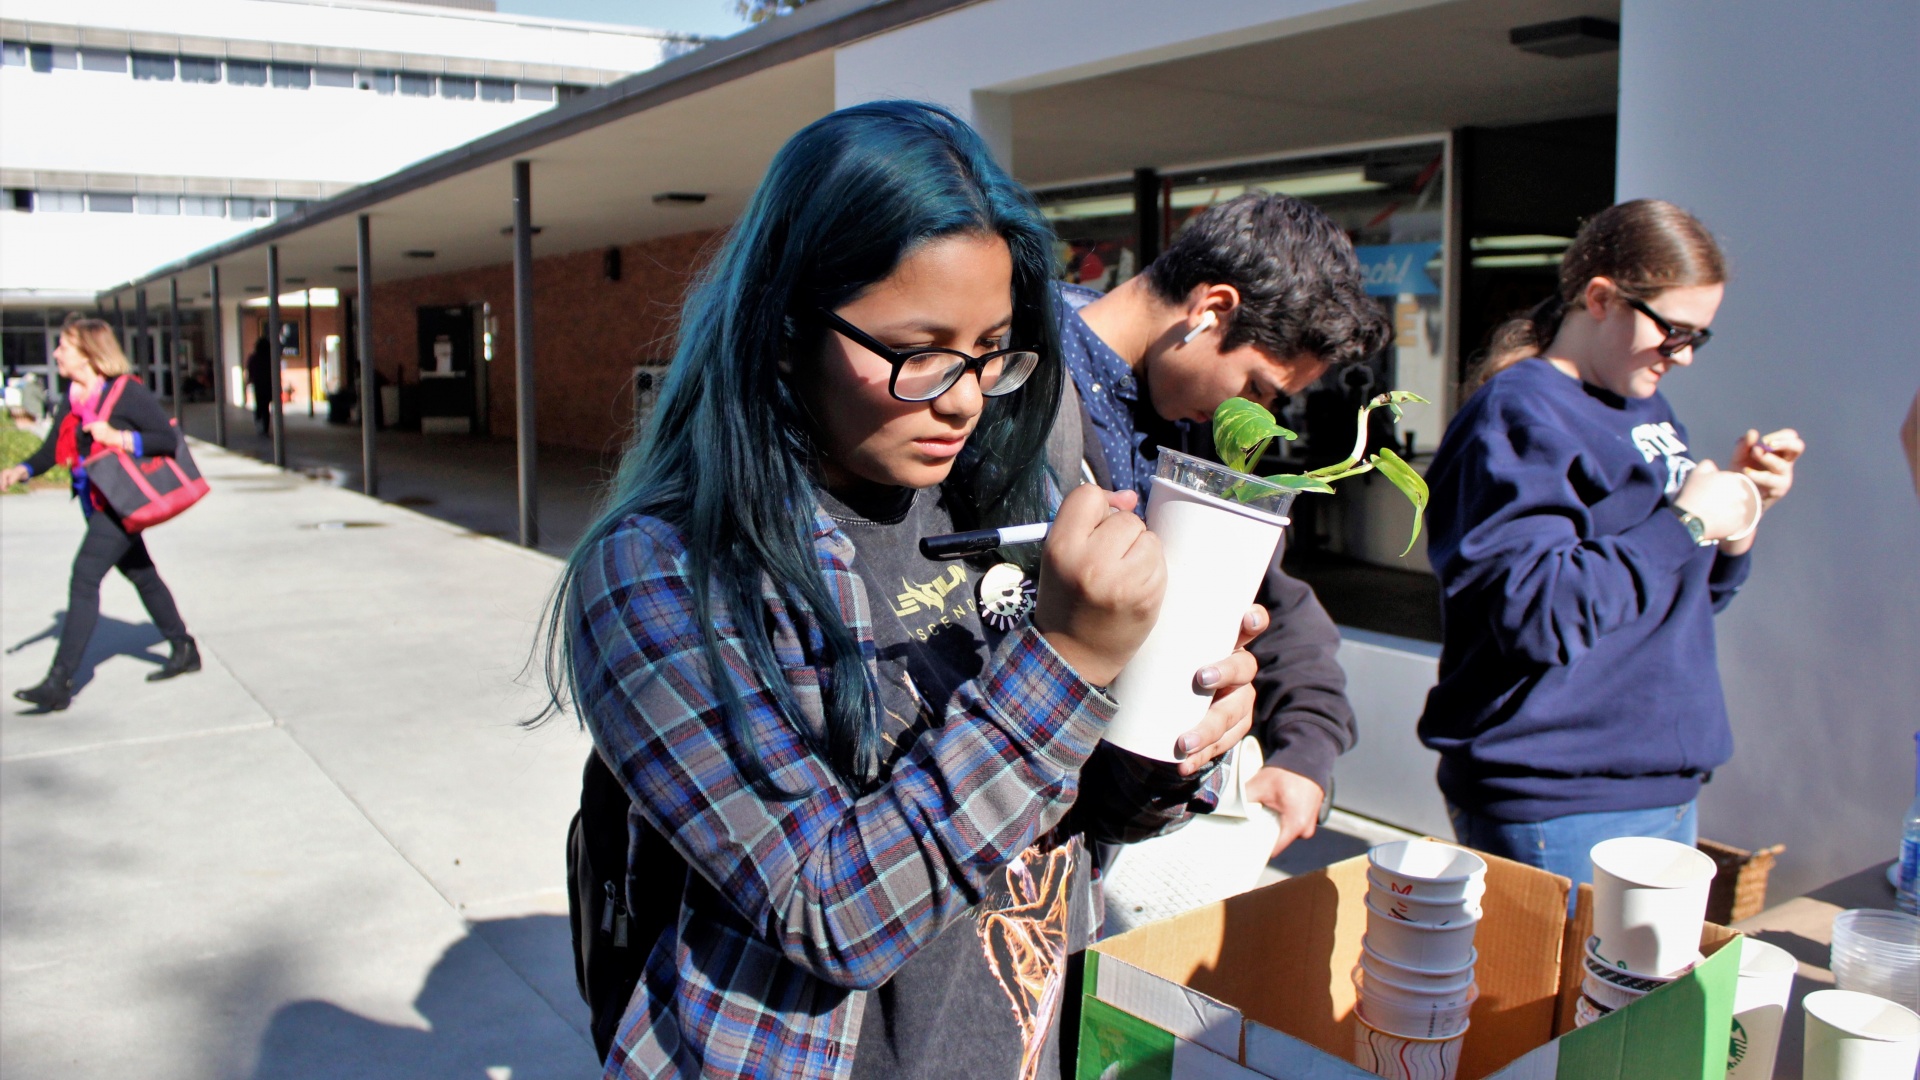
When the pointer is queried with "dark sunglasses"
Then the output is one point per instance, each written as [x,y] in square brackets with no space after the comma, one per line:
[926,373]
[1678,337]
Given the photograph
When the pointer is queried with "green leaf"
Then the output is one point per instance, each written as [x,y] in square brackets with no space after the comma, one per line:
[1300,483]
[1405,397]
[1410,483]
[1241,431]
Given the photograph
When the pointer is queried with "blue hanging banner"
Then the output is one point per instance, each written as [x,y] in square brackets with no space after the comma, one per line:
[1394,269]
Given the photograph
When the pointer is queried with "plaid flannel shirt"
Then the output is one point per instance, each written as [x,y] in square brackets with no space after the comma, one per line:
[796,907]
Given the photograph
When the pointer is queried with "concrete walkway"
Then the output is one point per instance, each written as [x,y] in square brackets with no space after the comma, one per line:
[331,853]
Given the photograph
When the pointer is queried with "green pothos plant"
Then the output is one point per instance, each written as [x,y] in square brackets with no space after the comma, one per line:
[1243,429]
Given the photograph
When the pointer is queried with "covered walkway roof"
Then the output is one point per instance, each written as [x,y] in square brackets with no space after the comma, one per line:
[598,161]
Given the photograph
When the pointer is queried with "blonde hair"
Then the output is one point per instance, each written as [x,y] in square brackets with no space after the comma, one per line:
[1644,247]
[96,341]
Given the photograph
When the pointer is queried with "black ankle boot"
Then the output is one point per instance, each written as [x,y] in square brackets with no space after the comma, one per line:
[185,658]
[54,693]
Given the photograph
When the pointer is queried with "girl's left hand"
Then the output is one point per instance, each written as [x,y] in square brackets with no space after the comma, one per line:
[1230,716]
[106,434]
[1768,461]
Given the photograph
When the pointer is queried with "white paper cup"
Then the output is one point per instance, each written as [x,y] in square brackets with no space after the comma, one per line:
[1759,1007]
[1438,982]
[1637,981]
[1427,870]
[1397,1057]
[1859,1037]
[1649,899]
[1425,912]
[1428,948]
[1217,552]
[1608,995]
[1586,1011]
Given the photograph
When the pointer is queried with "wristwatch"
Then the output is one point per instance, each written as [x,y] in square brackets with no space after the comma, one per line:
[1696,527]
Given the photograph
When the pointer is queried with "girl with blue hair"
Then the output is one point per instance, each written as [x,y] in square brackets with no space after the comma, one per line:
[870,795]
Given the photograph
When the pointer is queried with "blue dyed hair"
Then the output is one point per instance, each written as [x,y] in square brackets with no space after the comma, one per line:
[729,456]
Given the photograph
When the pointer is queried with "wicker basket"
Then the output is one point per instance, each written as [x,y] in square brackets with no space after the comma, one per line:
[1740,888]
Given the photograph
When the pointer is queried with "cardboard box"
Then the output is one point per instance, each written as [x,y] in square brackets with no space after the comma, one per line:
[1260,985]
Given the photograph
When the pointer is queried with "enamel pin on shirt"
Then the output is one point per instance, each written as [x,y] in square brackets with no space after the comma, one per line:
[1006,596]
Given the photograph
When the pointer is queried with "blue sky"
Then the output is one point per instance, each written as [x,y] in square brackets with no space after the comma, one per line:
[712,17]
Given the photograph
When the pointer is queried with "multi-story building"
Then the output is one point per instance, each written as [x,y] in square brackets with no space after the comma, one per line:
[134,133]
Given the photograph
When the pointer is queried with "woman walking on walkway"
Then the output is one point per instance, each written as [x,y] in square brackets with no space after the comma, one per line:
[91,359]
[1583,552]
[877,780]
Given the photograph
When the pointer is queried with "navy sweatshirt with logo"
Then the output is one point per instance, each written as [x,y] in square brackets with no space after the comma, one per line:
[1577,672]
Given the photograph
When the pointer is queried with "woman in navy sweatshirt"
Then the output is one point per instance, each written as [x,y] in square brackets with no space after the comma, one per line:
[89,356]
[1583,551]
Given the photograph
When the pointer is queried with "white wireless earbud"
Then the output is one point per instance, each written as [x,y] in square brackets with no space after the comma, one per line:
[1206,323]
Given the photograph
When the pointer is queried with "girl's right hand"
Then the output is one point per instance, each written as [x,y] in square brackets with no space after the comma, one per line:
[11,475]
[1722,500]
[1101,581]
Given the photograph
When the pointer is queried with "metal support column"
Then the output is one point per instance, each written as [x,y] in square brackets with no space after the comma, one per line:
[523,348]
[173,345]
[1146,214]
[312,356]
[218,347]
[273,355]
[142,357]
[363,338]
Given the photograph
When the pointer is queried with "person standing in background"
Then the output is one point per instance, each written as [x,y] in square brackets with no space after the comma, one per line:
[1256,298]
[260,379]
[1582,553]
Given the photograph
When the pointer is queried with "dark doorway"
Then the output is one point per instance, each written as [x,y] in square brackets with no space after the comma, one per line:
[446,359]
[1527,189]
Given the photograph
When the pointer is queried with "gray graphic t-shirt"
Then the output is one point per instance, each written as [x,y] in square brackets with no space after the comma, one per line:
[982,1000]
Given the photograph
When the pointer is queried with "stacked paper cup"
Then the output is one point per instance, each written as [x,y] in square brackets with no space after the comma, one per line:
[1649,899]
[1415,977]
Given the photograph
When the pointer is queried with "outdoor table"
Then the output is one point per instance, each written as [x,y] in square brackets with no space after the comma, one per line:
[1804,927]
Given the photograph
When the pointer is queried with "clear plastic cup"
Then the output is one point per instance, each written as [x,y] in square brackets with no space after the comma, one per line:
[1878,952]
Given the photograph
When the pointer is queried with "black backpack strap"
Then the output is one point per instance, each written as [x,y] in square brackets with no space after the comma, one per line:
[615,924]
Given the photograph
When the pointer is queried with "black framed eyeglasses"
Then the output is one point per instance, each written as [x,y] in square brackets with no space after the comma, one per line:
[926,373]
[1678,337]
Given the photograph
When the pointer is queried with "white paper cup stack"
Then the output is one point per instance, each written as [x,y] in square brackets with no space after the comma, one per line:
[1415,978]
[1878,952]
[1853,1036]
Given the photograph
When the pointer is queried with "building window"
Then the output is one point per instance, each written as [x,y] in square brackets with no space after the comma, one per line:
[101,202]
[13,53]
[20,199]
[110,60]
[380,82]
[283,207]
[333,76]
[168,205]
[59,202]
[462,89]
[534,91]
[495,90]
[292,76]
[416,85]
[153,66]
[246,73]
[203,206]
[199,69]
[245,209]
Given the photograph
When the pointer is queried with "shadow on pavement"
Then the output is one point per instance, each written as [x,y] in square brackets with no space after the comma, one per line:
[111,637]
[476,1026]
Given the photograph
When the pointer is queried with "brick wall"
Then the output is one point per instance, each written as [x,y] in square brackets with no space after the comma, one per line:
[588,332]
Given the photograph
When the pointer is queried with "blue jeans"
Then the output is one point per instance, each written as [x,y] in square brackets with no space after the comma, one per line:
[1561,845]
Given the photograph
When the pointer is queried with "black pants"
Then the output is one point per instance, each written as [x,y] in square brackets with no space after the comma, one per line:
[262,408]
[106,546]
